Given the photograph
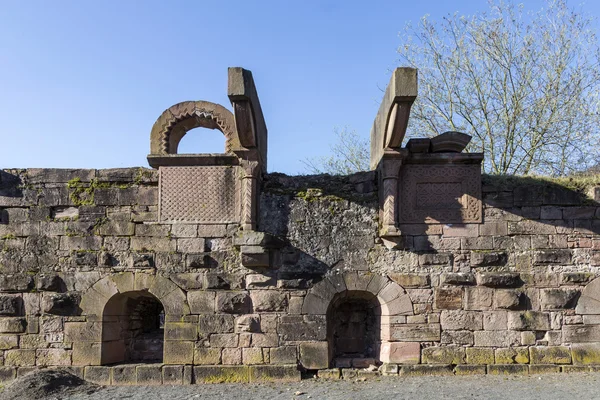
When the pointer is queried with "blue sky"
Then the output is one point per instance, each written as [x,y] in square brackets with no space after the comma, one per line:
[82,82]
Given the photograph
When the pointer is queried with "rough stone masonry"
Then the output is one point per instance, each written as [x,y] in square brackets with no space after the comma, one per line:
[208,269]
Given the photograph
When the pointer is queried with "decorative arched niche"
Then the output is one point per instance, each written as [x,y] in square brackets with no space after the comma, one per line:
[361,311]
[105,337]
[208,188]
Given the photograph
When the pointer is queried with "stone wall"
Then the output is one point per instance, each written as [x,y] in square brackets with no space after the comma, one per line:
[80,248]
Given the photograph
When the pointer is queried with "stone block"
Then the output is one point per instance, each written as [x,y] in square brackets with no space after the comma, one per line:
[499,279]
[543,257]
[12,325]
[149,375]
[8,342]
[178,352]
[457,278]
[222,374]
[61,303]
[268,301]
[568,369]
[15,283]
[495,320]
[231,356]
[581,333]
[98,375]
[124,375]
[416,332]
[180,330]
[252,356]
[497,338]
[434,259]
[265,340]
[528,321]
[301,328]
[457,337]
[201,302]
[219,323]
[528,338]
[411,280]
[550,355]
[19,358]
[222,340]
[7,374]
[443,355]
[470,370]
[478,298]
[507,298]
[207,356]
[425,370]
[509,369]
[257,281]
[558,299]
[529,227]
[87,353]
[400,352]
[314,355]
[153,244]
[53,357]
[480,355]
[247,323]
[448,298]
[543,369]
[335,373]
[573,278]
[488,258]
[512,355]
[191,245]
[10,305]
[234,302]
[585,353]
[274,373]
[212,231]
[461,320]
[283,355]
[420,295]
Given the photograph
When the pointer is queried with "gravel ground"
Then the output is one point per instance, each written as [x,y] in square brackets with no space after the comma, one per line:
[580,386]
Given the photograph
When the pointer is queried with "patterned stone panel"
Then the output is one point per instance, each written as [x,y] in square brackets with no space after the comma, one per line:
[440,194]
[204,194]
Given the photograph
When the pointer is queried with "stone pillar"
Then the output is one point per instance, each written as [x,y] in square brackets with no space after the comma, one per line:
[249,195]
[390,173]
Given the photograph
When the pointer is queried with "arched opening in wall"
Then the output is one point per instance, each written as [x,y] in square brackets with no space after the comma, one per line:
[354,329]
[133,329]
[202,140]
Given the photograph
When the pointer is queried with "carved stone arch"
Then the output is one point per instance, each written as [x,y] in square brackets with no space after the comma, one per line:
[168,293]
[91,337]
[589,302]
[177,120]
[380,299]
[392,297]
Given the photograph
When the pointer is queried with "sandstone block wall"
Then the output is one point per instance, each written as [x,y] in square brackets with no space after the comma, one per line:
[79,249]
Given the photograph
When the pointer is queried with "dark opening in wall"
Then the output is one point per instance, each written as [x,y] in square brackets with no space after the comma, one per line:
[354,329]
[132,329]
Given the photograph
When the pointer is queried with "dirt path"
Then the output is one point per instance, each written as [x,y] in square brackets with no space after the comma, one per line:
[580,386]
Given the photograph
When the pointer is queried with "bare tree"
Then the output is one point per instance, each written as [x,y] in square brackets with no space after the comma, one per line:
[349,154]
[524,85]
